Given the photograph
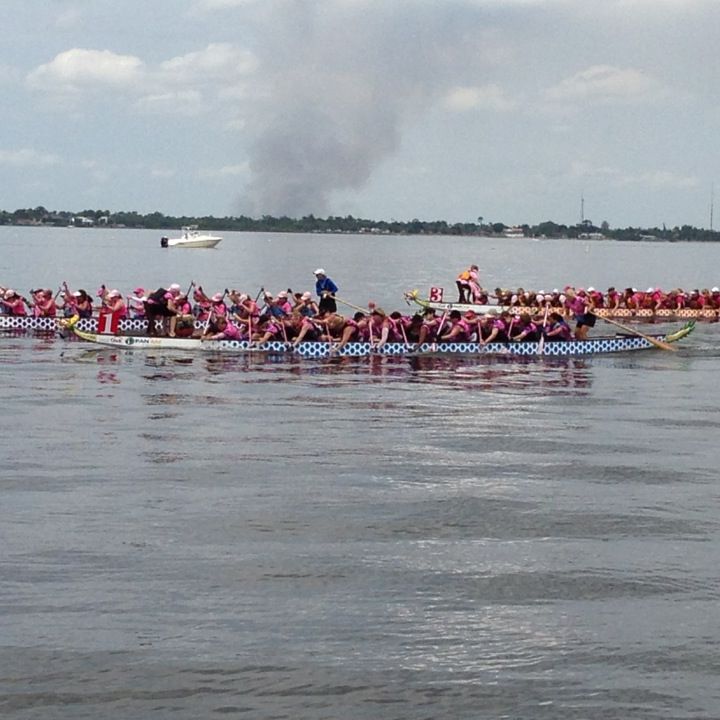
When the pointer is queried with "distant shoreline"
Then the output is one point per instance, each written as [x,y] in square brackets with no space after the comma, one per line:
[349,225]
[362,233]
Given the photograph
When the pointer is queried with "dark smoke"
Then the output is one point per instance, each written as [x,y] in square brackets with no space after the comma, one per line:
[339,79]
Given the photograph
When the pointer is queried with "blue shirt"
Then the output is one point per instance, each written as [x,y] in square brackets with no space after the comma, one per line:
[325,285]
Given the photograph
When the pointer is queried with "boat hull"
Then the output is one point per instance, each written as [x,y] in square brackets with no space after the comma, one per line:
[708,314]
[594,346]
[208,241]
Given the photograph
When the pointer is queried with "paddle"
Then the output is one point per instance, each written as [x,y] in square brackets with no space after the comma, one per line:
[350,305]
[211,312]
[654,341]
[404,334]
[541,343]
[442,322]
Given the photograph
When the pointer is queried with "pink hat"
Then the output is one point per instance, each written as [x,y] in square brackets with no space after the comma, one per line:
[139,291]
[244,297]
[282,294]
[306,296]
[217,297]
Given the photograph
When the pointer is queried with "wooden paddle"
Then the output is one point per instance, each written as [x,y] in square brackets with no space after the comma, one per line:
[654,341]
[365,311]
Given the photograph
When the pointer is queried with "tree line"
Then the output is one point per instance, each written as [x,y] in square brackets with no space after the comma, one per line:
[348,224]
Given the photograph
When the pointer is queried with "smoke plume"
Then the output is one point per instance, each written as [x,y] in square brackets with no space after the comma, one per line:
[339,79]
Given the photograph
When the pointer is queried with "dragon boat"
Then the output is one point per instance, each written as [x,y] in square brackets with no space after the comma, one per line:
[593,346]
[642,315]
[49,324]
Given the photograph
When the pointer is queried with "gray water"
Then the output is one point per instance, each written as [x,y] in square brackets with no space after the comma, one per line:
[193,536]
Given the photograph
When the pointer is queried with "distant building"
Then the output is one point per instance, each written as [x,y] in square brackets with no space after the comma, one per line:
[82,221]
[514,232]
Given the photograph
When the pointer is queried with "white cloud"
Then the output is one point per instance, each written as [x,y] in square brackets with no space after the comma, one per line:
[78,69]
[184,85]
[492,97]
[605,83]
[217,62]
[27,158]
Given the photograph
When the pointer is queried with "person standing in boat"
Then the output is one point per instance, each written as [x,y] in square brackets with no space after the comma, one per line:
[468,285]
[325,289]
[581,306]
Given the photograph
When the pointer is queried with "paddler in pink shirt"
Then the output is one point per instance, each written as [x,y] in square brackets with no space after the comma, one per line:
[459,330]
[224,330]
[114,304]
[14,304]
[44,304]
[500,326]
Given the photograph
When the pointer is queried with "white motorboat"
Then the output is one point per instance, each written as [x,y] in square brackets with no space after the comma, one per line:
[191,237]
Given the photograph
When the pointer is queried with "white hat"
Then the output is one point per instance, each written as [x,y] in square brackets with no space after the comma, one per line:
[244,297]
[306,295]
[591,289]
[174,288]
[650,290]
[9,293]
[282,294]
[114,293]
[539,298]
[319,271]
[715,289]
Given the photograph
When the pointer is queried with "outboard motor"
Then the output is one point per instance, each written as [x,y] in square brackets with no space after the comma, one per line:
[163,242]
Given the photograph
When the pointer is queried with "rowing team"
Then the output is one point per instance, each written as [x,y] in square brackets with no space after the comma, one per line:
[630,298]
[43,303]
[281,324]
[295,317]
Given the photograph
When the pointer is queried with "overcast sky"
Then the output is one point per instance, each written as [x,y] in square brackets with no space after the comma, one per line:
[508,110]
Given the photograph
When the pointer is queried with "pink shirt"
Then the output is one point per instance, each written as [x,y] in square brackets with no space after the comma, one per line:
[231,332]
